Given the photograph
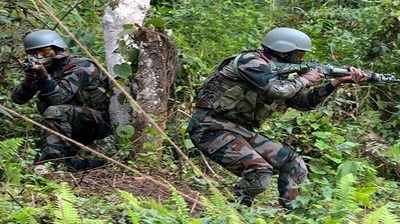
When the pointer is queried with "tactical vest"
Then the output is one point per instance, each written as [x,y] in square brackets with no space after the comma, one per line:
[230,97]
[92,93]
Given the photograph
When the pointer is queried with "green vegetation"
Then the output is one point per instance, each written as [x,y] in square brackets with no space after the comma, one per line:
[345,185]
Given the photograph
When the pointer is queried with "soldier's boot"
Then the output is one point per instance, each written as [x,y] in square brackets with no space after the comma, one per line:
[55,153]
[76,164]
[252,184]
[291,175]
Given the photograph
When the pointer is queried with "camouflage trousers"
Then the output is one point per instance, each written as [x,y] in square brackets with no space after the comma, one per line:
[248,155]
[79,123]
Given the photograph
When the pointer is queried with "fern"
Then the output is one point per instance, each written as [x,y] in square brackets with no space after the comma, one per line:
[220,210]
[11,168]
[24,215]
[131,204]
[93,221]
[381,215]
[9,149]
[394,153]
[66,212]
[344,205]
[181,207]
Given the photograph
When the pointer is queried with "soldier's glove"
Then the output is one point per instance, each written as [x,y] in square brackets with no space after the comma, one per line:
[312,78]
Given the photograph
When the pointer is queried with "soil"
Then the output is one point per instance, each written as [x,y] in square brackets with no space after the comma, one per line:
[108,180]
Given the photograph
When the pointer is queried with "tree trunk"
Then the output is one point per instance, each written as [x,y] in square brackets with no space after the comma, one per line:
[153,83]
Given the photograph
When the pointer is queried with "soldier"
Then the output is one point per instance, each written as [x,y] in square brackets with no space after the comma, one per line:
[72,97]
[243,91]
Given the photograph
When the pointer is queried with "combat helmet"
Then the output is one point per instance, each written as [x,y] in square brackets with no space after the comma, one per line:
[284,40]
[43,38]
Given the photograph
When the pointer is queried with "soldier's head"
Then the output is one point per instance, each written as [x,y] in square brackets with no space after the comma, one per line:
[44,44]
[286,44]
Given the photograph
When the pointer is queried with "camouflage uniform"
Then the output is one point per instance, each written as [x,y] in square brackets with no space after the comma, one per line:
[236,99]
[72,101]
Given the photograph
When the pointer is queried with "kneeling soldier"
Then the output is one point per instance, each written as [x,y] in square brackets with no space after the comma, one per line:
[72,97]
[243,91]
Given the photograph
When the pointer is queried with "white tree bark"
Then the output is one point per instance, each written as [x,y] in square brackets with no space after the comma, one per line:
[115,17]
[126,12]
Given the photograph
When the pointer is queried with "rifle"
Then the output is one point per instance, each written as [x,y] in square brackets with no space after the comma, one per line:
[30,61]
[330,71]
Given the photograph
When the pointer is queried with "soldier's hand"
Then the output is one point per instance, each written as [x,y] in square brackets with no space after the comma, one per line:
[313,77]
[356,76]
[39,69]
[30,77]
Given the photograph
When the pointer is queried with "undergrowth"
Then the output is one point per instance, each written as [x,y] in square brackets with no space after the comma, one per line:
[344,186]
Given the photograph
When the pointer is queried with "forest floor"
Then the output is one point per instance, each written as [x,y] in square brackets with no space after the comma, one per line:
[109,179]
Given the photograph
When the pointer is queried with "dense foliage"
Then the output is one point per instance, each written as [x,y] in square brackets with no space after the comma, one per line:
[345,185]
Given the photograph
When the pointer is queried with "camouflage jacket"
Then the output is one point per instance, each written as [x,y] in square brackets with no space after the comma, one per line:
[73,81]
[247,88]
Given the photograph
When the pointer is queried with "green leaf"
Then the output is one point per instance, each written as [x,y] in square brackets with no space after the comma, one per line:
[363,196]
[322,135]
[157,22]
[394,153]
[348,145]
[123,70]
[348,167]
[188,144]
[125,131]
[320,144]
[317,170]
[129,28]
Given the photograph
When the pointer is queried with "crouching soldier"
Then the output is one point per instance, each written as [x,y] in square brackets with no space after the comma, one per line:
[243,91]
[72,97]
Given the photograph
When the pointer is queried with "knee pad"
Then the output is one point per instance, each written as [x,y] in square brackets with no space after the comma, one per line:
[296,169]
[255,182]
[58,112]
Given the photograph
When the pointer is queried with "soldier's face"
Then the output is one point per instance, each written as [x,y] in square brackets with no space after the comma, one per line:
[294,57]
[297,56]
[45,52]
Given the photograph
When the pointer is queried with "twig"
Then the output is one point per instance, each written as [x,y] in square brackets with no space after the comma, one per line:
[164,184]
[364,99]
[27,11]
[68,12]
[81,179]
[74,180]
[208,166]
[15,200]
[53,160]
[184,112]
[33,200]
[194,204]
